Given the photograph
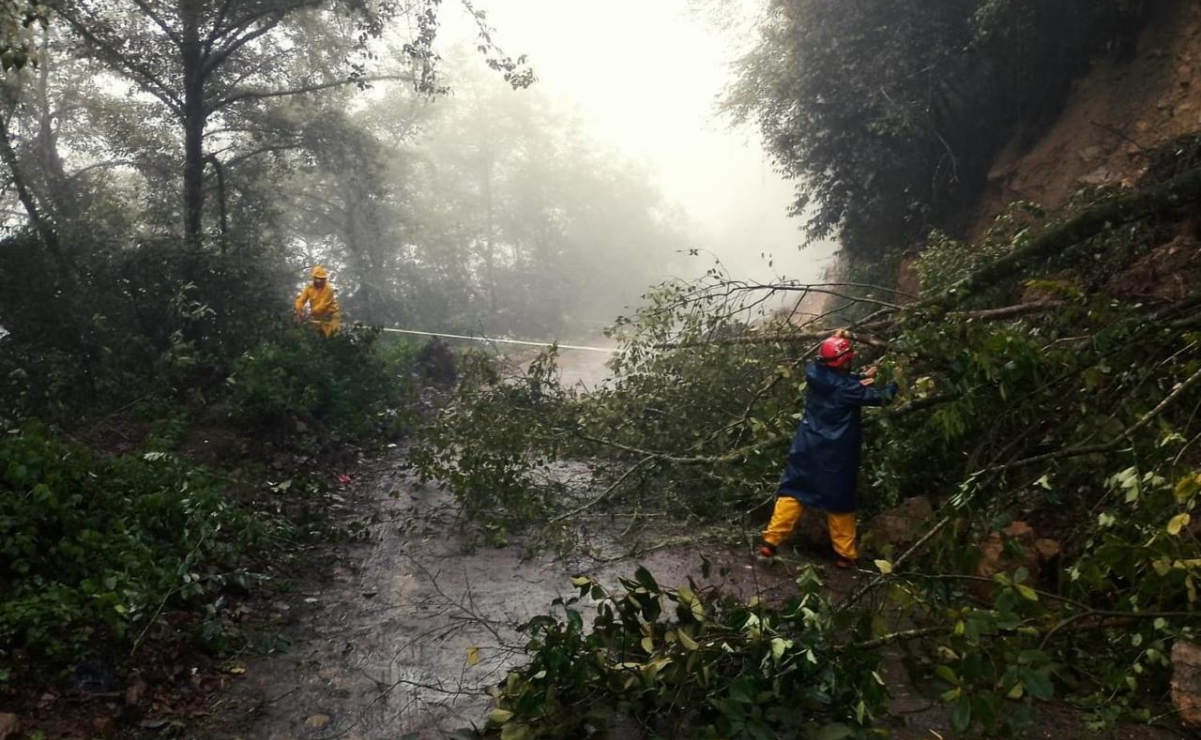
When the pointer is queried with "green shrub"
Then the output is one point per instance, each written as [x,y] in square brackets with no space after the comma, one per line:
[691,660]
[92,547]
[347,381]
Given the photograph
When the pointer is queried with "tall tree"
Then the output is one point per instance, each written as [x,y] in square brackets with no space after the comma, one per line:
[203,60]
[887,114]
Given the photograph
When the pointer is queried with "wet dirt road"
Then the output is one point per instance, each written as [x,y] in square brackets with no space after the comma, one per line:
[382,633]
[382,645]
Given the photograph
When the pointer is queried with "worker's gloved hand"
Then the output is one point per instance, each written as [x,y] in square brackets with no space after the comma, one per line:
[870,372]
[868,380]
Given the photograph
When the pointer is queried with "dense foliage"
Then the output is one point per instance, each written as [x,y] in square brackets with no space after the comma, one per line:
[93,547]
[653,654]
[1067,403]
[348,382]
[888,114]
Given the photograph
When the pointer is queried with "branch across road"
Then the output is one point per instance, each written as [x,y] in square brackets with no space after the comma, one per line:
[493,340]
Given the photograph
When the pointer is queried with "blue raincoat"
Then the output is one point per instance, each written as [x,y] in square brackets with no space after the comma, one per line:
[823,464]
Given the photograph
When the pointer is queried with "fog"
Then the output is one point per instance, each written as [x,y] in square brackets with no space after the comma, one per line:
[646,77]
[439,197]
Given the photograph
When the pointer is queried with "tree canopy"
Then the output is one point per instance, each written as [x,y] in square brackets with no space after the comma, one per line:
[887,115]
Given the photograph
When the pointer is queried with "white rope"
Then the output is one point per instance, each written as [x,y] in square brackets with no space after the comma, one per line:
[499,341]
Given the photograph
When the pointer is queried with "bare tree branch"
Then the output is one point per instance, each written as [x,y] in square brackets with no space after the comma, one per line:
[143,76]
[217,58]
[149,11]
[266,94]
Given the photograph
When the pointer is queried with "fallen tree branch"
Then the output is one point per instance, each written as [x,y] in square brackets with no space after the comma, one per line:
[805,336]
[1007,312]
[1178,193]
[732,456]
[918,404]
[1128,434]
[1104,620]
[1146,419]
[605,494]
[866,335]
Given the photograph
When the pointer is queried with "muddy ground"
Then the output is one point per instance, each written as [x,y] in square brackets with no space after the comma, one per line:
[382,644]
[382,637]
[383,625]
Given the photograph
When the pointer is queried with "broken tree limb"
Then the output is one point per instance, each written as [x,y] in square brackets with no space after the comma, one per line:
[918,404]
[1007,312]
[1176,194]
[1113,446]
[804,336]
[734,455]
[604,494]
[867,335]
[1101,619]
[1143,421]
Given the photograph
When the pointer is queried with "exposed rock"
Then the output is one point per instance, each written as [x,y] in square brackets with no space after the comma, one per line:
[903,525]
[317,721]
[95,677]
[1186,682]
[1090,153]
[10,726]
[1099,176]
[992,557]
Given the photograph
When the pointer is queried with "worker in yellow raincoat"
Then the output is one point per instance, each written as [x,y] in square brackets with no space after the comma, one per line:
[323,307]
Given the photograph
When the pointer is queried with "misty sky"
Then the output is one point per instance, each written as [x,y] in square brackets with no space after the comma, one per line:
[644,76]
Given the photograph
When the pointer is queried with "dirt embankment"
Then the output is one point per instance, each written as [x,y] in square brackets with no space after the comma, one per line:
[1114,117]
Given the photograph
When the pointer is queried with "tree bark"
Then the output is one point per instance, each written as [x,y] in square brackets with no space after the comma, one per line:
[194,119]
[59,192]
[44,228]
[222,204]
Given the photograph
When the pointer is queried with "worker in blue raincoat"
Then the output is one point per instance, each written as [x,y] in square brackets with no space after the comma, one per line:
[823,465]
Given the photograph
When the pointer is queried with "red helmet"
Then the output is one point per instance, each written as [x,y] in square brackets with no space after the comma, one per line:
[836,351]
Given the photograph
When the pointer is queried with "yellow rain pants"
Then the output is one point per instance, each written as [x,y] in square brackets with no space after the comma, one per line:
[323,307]
[788,512]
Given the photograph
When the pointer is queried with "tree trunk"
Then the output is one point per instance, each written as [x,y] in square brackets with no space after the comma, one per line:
[222,204]
[43,227]
[194,119]
[58,191]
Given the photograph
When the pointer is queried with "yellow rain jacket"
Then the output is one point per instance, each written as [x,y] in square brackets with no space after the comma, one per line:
[323,307]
